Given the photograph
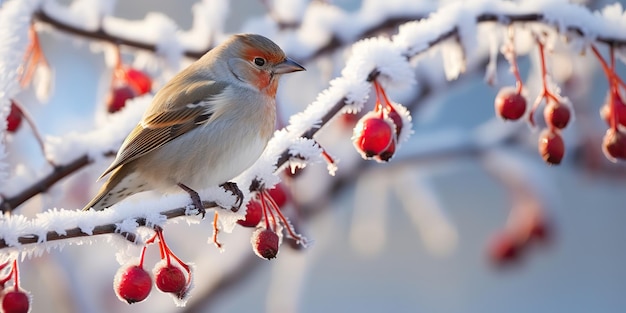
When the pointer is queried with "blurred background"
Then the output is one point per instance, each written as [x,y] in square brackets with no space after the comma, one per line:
[413,235]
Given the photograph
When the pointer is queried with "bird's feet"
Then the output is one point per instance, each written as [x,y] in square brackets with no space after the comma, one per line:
[195,199]
[232,187]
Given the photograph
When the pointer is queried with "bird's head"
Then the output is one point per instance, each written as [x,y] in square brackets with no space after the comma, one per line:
[258,61]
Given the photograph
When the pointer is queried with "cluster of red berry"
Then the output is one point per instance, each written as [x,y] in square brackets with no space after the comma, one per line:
[133,283]
[266,207]
[613,112]
[510,104]
[128,83]
[377,133]
[14,299]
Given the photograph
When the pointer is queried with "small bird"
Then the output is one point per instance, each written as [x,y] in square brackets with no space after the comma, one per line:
[207,125]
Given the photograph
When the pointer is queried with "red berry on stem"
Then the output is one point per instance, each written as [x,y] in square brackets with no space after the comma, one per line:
[279,195]
[170,279]
[254,213]
[138,80]
[14,120]
[614,145]
[551,146]
[117,98]
[15,302]
[132,284]
[504,249]
[265,243]
[372,135]
[556,114]
[509,104]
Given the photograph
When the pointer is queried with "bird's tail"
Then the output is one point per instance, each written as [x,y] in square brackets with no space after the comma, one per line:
[115,189]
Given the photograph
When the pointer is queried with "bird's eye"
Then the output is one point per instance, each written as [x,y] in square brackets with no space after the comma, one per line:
[259,61]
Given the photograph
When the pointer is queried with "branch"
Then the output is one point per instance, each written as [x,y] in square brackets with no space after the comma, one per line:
[45,183]
[102,35]
[111,228]
[433,40]
[59,172]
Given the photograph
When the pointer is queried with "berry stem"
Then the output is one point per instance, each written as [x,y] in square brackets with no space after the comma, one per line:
[545,93]
[143,251]
[169,253]
[382,91]
[512,58]
[292,233]
[264,208]
[16,276]
[611,76]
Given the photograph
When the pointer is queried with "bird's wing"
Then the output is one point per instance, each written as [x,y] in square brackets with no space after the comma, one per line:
[169,118]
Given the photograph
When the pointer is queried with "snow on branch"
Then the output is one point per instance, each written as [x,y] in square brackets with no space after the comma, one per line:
[382,59]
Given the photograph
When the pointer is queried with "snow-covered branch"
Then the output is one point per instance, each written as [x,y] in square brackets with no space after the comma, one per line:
[387,60]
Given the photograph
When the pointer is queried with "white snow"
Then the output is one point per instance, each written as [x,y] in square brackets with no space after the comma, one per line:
[14,22]
[208,20]
[320,23]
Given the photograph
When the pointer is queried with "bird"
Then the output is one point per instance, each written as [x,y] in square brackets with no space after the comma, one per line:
[205,126]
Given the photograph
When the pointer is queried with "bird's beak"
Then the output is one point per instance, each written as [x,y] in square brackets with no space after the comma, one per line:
[288,66]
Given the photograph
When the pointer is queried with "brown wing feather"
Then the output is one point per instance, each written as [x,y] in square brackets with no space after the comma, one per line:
[181,113]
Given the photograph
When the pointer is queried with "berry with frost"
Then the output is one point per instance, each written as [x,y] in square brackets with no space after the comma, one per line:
[551,146]
[132,284]
[556,114]
[170,279]
[373,134]
[15,301]
[509,104]
[265,243]
[614,145]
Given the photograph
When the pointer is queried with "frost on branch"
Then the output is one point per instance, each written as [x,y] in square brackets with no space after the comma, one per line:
[374,66]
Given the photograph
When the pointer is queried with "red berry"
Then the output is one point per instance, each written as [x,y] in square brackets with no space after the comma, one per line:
[254,213]
[132,284]
[397,121]
[265,243]
[15,302]
[509,104]
[14,120]
[556,114]
[614,145]
[119,95]
[138,80]
[279,195]
[372,135]
[551,146]
[170,279]
[504,249]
